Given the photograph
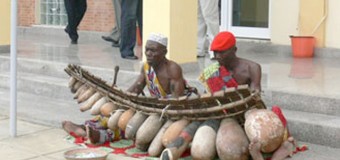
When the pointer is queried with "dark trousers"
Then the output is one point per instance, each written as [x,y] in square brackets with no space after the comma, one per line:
[131,13]
[75,10]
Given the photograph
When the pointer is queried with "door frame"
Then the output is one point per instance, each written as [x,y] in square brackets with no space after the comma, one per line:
[242,32]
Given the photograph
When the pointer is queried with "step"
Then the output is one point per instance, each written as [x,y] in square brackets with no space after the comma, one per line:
[314,128]
[52,76]
[243,45]
[43,110]
[308,127]
[292,101]
[316,152]
[34,66]
[58,32]
[303,102]
[38,84]
[49,79]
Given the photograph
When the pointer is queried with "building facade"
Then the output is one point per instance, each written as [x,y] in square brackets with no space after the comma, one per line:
[271,20]
[99,15]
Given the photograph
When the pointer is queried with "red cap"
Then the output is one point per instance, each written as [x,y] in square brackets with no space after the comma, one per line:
[223,41]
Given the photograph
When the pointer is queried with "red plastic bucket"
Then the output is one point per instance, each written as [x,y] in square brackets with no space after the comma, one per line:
[303,46]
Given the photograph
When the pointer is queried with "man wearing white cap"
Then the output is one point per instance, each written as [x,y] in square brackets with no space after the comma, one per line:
[163,77]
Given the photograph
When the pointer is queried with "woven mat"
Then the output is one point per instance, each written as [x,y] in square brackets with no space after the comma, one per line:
[127,148]
[123,146]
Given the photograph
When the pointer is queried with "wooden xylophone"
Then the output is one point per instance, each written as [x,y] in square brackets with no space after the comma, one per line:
[148,119]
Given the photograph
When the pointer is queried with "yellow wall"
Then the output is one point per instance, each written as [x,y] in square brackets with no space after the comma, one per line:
[283,20]
[301,19]
[311,14]
[5,22]
[177,19]
[183,33]
[156,19]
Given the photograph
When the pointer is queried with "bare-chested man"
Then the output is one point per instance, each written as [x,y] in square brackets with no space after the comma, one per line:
[231,71]
[162,77]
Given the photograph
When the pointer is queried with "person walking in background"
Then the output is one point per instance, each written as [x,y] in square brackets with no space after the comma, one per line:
[208,25]
[114,36]
[75,10]
[131,13]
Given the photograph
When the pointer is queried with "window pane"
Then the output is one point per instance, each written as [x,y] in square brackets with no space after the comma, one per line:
[52,12]
[250,13]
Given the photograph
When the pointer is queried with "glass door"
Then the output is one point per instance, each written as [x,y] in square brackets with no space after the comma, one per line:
[246,18]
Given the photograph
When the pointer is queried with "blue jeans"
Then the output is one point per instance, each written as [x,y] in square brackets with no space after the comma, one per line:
[131,13]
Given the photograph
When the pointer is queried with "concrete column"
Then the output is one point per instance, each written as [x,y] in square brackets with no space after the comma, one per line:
[177,19]
[312,20]
[5,6]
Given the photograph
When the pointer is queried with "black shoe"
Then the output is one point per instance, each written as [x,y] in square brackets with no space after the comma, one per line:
[200,56]
[115,44]
[109,39]
[74,42]
[130,57]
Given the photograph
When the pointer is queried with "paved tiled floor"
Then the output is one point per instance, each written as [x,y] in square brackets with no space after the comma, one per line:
[36,142]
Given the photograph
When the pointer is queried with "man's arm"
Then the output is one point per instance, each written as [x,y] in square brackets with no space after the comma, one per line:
[138,86]
[255,77]
[176,80]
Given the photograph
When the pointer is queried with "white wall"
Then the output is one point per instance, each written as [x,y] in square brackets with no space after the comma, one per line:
[333,24]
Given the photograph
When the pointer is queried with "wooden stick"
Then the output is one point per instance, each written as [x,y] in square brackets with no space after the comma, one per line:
[115,76]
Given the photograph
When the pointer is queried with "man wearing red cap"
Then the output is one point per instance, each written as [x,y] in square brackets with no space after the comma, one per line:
[231,71]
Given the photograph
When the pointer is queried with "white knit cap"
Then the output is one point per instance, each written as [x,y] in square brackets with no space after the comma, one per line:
[159,38]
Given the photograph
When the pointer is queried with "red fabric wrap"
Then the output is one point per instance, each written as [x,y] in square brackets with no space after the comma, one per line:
[221,81]
[78,139]
[278,112]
